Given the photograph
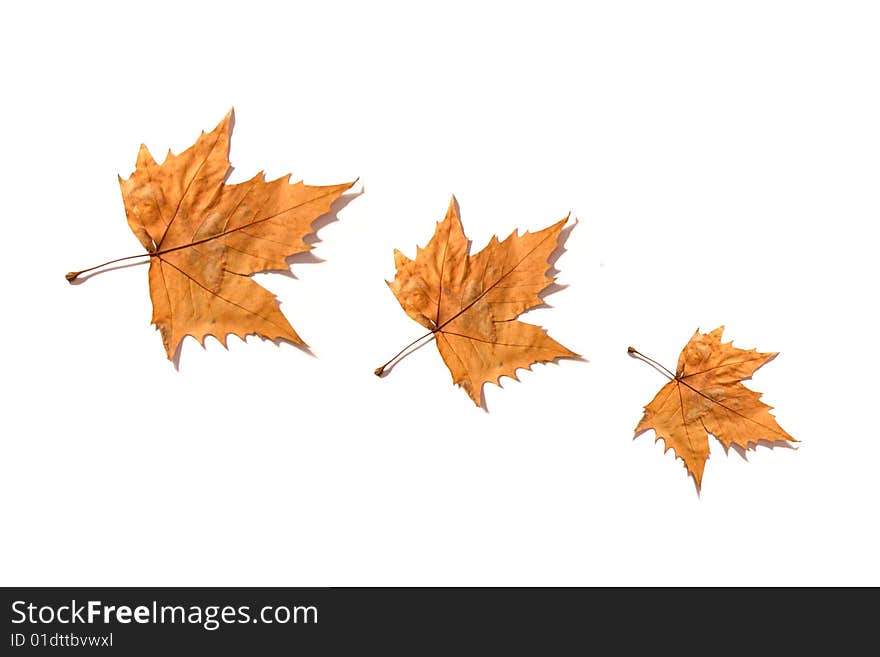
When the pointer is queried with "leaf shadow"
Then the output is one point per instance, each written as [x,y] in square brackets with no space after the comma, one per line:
[552,271]
[753,446]
[312,239]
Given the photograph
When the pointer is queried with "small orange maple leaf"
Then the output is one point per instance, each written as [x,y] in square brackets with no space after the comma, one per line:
[705,395]
[470,303]
[205,238]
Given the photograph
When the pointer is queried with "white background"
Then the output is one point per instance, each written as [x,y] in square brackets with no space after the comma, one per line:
[722,160]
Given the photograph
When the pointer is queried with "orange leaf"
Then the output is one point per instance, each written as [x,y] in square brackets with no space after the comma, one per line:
[205,238]
[705,395]
[470,303]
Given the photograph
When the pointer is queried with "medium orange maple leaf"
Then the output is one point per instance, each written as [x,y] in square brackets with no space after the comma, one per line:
[705,395]
[470,303]
[205,238]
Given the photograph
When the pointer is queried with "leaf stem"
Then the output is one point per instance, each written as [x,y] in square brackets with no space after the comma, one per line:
[71,276]
[380,371]
[635,353]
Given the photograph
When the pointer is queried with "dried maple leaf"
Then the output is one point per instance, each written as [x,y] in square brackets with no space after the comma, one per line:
[470,303]
[705,395]
[205,238]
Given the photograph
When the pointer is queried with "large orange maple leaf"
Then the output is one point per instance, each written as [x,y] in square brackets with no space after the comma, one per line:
[205,238]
